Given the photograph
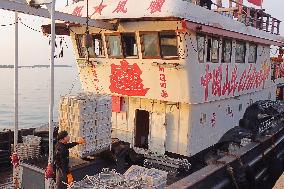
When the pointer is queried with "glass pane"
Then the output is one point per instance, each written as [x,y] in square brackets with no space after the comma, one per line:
[98,45]
[227,50]
[252,53]
[200,47]
[240,52]
[129,44]
[215,50]
[81,49]
[168,41]
[151,48]
[114,45]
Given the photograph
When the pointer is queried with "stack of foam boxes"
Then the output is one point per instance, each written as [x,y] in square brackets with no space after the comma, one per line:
[154,178]
[30,148]
[88,116]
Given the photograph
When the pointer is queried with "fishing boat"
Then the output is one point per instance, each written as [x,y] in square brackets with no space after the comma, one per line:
[185,78]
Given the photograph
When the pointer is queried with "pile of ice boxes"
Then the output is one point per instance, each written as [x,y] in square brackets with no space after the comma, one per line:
[154,178]
[30,148]
[88,116]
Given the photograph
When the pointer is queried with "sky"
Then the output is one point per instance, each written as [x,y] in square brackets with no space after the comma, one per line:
[34,47]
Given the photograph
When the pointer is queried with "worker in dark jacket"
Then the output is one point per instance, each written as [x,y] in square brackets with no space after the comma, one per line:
[63,173]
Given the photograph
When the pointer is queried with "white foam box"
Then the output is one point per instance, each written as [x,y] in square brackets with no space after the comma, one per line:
[79,115]
[154,177]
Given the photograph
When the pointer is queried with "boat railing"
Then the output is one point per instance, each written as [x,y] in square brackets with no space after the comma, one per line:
[249,16]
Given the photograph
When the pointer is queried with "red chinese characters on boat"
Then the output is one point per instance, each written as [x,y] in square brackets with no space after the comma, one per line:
[121,7]
[99,8]
[125,79]
[249,79]
[163,83]
[205,80]
[278,71]
[156,6]
[78,11]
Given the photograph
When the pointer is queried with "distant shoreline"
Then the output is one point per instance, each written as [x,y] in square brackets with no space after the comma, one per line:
[35,66]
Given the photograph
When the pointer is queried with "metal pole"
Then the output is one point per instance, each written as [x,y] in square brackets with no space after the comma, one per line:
[16,82]
[14,157]
[51,103]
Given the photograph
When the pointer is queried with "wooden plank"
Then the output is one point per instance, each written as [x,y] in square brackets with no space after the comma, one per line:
[41,12]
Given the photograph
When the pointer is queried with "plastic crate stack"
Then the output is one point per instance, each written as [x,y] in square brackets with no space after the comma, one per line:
[30,148]
[88,116]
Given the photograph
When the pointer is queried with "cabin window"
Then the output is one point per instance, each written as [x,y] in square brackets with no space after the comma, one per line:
[212,49]
[201,47]
[252,53]
[226,51]
[150,45]
[168,44]
[98,45]
[114,46]
[80,48]
[129,44]
[240,52]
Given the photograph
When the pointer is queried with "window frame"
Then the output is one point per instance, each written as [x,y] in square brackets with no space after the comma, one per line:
[136,42]
[223,47]
[218,49]
[141,33]
[107,45]
[79,45]
[103,45]
[204,47]
[168,57]
[245,53]
[255,58]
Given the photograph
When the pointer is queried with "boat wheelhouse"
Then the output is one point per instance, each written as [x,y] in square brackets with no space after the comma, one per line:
[180,75]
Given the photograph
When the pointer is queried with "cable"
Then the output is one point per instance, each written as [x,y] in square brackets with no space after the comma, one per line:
[29,27]
[4,25]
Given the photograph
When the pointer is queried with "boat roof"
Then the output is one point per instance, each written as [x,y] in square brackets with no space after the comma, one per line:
[159,9]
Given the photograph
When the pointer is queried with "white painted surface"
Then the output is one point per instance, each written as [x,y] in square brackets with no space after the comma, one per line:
[170,8]
[184,81]
[203,135]
[169,125]
[157,135]
[185,132]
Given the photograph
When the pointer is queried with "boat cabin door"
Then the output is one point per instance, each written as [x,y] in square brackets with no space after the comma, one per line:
[141,129]
[157,135]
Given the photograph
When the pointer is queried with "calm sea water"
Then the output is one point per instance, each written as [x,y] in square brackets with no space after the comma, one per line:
[33,94]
